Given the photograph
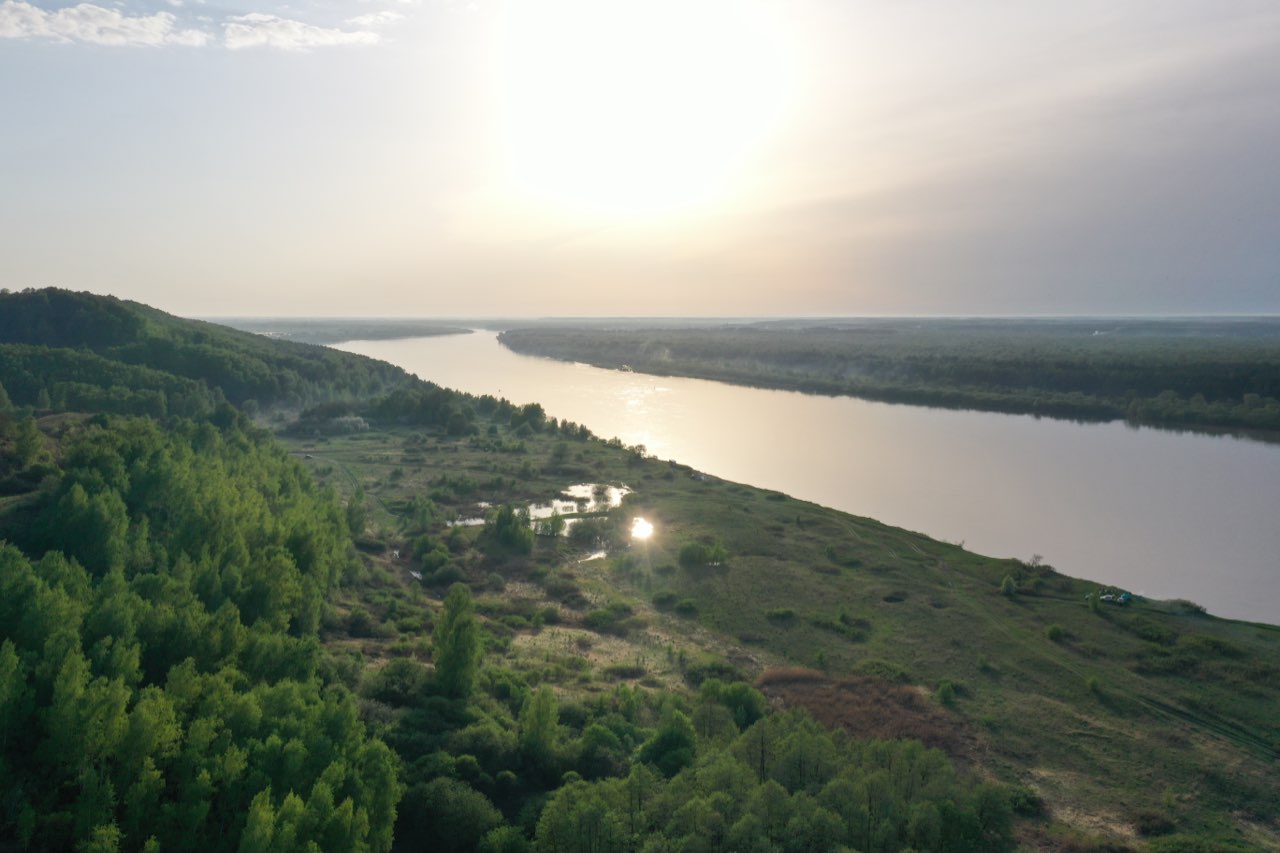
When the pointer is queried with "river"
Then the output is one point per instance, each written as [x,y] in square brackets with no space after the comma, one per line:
[1163,514]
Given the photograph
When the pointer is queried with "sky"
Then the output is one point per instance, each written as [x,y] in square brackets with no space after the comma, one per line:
[657,158]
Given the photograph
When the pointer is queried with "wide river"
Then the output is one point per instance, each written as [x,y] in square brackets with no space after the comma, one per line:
[1163,514]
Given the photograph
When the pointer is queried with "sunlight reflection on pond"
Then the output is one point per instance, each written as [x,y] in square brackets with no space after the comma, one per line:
[568,505]
[641,529]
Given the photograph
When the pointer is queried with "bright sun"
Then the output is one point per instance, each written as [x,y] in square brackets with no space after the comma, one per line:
[638,108]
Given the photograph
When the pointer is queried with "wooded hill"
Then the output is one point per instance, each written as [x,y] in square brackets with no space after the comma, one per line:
[98,353]
[211,636]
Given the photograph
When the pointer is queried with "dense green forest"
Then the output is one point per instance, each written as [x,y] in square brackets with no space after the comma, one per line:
[353,634]
[1204,374]
[160,675]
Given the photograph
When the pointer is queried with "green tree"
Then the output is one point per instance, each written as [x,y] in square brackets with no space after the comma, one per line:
[672,747]
[357,512]
[29,444]
[457,644]
[451,814]
[538,728]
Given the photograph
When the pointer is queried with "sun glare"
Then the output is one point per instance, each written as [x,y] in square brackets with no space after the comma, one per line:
[641,529]
[637,108]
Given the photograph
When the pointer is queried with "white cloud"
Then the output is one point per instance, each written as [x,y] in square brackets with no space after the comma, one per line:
[94,25]
[259,30]
[375,19]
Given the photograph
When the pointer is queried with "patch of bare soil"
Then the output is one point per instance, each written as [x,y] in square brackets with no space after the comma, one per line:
[873,708]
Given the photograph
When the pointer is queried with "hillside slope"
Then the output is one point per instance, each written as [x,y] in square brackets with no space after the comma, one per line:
[77,345]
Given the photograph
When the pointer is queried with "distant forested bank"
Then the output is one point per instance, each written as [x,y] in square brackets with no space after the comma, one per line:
[332,330]
[1215,374]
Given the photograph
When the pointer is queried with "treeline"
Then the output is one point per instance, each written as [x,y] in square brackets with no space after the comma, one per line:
[783,784]
[1193,375]
[62,332]
[332,330]
[162,685]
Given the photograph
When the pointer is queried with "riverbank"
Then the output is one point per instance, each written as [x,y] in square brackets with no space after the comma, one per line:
[1211,375]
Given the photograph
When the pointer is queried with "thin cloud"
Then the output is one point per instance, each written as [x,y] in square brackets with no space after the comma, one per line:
[260,30]
[375,19]
[94,25]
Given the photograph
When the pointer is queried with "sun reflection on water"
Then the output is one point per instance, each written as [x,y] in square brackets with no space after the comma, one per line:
[641,529]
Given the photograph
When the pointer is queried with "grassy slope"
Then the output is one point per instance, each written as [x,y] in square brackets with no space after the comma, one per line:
[1086,719]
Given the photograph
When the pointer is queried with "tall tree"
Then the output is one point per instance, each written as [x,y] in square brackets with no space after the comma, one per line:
[457,644]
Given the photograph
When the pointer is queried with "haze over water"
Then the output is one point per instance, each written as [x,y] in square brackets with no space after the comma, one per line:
[1164,514]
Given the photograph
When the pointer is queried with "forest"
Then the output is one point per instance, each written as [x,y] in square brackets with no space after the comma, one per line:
[1214,374]
[351,632]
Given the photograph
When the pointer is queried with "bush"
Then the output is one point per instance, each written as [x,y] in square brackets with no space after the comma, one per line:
[687,607]
[947,694]
[361,624]
[1186,608]
[605,621]
[1008,586]
[781,615]
[883,669]
[1153,632]
[1055,633]
[1149,823]
[696,554]
[664,599]
[1025,801]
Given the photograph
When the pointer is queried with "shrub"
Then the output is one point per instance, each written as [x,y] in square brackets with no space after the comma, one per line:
[1153,632]
[781,615]
[877,668]
[604,621]
[1186,608]
[1025,801]
[664,599]
[947,693]
[687,607]
[361,624]
[1055,633]
[696,554]
[1149,823]
[1008,586]
[854,630]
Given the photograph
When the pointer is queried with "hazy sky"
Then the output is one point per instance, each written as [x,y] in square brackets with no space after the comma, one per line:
[424,157]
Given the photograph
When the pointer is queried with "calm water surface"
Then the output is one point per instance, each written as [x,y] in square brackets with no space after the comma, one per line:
[1163,514]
